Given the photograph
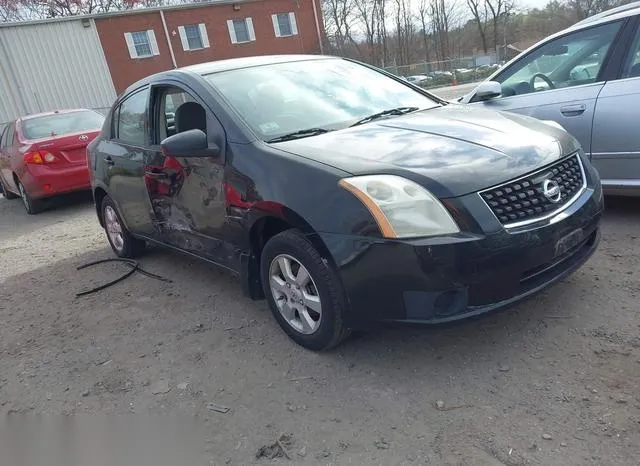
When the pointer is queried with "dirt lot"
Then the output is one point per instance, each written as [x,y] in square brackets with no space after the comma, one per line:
[553,381]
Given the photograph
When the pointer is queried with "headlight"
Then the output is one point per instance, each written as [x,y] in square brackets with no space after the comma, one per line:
[402,208]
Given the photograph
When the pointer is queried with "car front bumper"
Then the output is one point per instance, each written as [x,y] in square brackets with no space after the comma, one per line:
[435,280]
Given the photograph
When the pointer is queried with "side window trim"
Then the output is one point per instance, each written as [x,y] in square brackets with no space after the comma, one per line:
[620,55]
[157,93]
[116,132]
[604,65]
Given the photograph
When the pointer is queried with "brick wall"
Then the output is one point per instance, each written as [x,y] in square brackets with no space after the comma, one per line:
[125,70]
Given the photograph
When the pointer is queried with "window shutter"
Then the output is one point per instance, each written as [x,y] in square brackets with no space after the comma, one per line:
[183,38]
[153,44]
[294,26]
[132,48]
[232,31]
[252,34]
[203,35]
[276,25]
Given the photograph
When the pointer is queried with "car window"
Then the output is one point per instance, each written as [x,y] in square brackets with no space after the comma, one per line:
[61,124]
[282,98]
[171,99]
[632,67]
[571,60]
[132,119]
[3,131]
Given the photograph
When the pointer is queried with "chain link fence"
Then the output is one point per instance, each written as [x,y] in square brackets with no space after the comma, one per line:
[445,72]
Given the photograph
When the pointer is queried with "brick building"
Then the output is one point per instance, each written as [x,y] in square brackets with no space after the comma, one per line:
[90,59]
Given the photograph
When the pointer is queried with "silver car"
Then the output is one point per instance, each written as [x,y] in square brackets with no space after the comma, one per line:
[587,79]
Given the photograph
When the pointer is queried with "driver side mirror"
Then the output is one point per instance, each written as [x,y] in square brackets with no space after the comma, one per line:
[488,90]
[192,143]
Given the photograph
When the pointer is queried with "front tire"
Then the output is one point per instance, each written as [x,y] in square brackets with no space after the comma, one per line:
[303,292]
[32,206]
[121,240]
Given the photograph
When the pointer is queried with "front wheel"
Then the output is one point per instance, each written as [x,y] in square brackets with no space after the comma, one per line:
[122,242]
[303,292]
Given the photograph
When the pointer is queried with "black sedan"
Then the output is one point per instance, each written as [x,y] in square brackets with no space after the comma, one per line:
[343,194]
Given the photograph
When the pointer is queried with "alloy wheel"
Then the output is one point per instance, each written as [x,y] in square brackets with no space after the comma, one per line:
[295,294]
[113,227]
[23,195]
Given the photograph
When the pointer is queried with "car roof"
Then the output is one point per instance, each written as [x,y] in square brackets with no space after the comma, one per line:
[247,62]
[55,112]
[226,65]
[623,11]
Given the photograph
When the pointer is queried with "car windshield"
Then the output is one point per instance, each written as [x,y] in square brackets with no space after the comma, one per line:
[61,124]
[284,98]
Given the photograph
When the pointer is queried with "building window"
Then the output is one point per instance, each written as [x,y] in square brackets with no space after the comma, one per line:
[241,30]
[141,44]
[284,24]
[194,36]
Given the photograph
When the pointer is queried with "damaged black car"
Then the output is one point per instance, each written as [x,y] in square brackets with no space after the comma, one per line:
[342,194]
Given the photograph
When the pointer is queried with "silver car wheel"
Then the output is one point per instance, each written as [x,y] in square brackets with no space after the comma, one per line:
[113,227]
[295,293]
[23,195]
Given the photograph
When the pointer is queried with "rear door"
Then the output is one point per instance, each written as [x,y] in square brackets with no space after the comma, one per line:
[560,80]
[7,158]
[123,156]
[616,129]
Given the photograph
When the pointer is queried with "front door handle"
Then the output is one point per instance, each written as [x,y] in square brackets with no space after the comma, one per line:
[573,110]
[109,161]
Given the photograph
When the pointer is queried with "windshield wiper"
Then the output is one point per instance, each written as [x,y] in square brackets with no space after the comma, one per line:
[384,113]
[300,134]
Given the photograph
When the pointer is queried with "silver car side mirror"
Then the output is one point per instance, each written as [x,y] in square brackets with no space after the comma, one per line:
[488,90]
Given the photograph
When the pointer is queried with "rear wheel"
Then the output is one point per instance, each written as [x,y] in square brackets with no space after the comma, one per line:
[303,292]
[6,193]
[32,206]
[122,242]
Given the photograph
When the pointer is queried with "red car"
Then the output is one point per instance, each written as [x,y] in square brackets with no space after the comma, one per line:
[44,155]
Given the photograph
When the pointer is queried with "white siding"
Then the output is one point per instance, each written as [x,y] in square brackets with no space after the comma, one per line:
[51,66]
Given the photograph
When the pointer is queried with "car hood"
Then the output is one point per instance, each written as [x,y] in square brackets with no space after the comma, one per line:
[451,150]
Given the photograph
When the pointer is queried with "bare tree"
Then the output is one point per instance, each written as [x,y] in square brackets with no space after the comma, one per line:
[339,19]
[423,17]
[499,10]
[479,11]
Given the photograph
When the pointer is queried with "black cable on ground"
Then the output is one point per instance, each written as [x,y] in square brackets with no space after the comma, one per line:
[135,267]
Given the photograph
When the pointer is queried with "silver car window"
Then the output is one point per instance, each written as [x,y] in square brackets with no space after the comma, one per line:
[570,60]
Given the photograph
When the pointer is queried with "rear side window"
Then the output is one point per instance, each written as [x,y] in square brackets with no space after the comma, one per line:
[61,124]
[132,119]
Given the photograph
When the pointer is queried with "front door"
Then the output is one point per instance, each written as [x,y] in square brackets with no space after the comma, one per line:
[559,81]
[187,194]
[616,140]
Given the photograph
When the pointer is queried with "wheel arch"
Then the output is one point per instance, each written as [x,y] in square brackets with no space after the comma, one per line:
[262,226]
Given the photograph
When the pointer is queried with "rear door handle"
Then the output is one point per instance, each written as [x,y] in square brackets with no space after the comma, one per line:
[109,161]
[573,110]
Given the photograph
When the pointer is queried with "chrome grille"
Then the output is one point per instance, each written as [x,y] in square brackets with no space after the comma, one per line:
[523,200]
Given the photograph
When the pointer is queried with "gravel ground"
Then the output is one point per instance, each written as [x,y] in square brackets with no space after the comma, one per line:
[553,381]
